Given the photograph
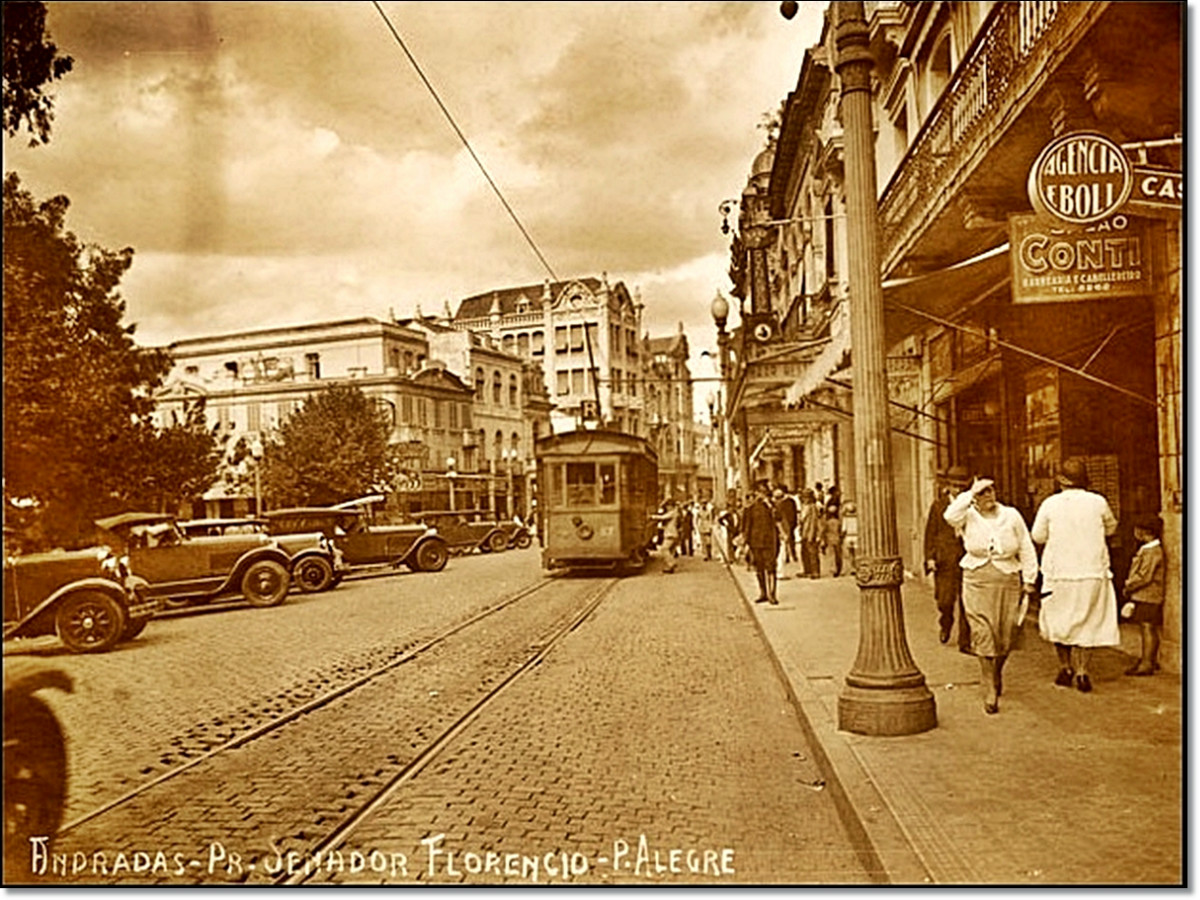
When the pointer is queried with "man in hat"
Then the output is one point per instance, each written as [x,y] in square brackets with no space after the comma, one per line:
[1079,603]
[762,537]
[943,555]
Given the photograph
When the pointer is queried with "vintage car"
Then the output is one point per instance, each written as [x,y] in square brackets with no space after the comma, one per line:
[470,529]
[35,762]
[315,568]
[87,597]
[362,543]
[187,571]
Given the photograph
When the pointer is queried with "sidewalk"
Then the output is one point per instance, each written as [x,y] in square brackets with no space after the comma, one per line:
[1059,788]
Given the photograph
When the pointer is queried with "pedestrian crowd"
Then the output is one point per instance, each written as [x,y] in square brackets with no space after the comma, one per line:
[983,557]
[986,573]
[764,531]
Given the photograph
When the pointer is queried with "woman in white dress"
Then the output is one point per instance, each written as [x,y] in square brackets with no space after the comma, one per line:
[1079,604]
[999,570]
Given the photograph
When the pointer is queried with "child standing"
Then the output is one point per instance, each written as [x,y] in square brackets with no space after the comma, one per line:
[1145,590]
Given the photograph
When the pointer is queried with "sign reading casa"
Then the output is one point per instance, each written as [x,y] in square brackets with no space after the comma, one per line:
[1081,178]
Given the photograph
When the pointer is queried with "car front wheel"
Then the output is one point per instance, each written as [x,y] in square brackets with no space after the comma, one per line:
[432,556]
[265,583]
[313,574]
[497,541]
[523,541]
[90,622]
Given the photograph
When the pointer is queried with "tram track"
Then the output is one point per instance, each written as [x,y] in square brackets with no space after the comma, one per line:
[338,837]
[513,654]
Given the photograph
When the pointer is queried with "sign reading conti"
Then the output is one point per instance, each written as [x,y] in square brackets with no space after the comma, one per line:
[1081,178]
[1056,263]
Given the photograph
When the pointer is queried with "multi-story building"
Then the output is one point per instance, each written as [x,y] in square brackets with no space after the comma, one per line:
[457,435]
[669,416]
[1032,295]
[511,411]
[585,334]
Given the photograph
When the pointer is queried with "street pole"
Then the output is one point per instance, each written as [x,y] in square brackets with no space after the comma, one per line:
[450,479]
[885,692]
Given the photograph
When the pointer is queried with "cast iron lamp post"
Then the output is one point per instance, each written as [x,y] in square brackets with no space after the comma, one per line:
[885,692]
[450,473]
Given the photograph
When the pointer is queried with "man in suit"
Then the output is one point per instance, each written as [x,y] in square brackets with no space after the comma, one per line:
[943,553]
[762,537]
[785,509]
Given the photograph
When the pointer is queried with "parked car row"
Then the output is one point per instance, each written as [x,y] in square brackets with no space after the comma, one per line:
[94,599]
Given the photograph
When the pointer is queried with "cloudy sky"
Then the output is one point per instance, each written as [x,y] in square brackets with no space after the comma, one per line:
[279,163]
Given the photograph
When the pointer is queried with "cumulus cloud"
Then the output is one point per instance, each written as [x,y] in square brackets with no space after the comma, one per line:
[274,163]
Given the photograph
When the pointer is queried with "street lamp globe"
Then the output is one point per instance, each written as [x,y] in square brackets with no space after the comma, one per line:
[720,311]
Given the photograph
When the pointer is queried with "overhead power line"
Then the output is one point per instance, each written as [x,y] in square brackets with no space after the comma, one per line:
[462,137]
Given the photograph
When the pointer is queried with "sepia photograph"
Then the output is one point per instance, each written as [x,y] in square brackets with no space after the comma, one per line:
[583,444]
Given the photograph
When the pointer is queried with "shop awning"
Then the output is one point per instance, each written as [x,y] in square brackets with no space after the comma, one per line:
[828,361]
[937,293]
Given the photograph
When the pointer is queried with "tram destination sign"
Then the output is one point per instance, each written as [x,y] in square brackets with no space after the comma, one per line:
[1081,178]
[1054,262]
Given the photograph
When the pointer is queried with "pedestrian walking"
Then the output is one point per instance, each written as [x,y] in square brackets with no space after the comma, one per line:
[705,518]
[761,535]
[730,520]
[810,535]
[669,520]
[1079,603]
[686,544]
[999,567]
[785,511]
[850,533]
[943,553]
[1145,591]
[831,539]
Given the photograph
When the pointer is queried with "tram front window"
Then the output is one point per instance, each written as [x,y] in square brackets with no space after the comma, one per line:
[581,484]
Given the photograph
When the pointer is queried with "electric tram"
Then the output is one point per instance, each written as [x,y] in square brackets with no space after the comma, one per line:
[598,491]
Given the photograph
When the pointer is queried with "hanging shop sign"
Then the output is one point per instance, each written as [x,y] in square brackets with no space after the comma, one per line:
[1156,192]
[1082,178]
[1053,262]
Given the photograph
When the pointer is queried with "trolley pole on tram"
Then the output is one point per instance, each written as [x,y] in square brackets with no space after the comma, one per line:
[885,692]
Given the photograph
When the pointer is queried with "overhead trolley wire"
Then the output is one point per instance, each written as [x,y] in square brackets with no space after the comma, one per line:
[462,137]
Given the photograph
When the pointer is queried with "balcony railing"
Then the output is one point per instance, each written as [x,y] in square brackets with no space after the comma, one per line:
[1012,48]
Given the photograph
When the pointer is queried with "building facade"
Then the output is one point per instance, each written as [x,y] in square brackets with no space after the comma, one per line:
[586,336]
[456,435]
[669,414]
[1029,161]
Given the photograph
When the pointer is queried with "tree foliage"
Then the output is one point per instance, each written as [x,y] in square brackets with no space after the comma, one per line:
[31,62]
[332,449]
[78,392]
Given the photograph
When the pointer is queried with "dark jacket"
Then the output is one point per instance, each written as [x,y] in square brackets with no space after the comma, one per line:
[785,509]
[759,530]
[942,543]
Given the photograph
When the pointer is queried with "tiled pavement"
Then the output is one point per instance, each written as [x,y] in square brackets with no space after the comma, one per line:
[1059,788]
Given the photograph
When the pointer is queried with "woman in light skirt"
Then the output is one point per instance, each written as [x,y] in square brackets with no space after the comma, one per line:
[999,573]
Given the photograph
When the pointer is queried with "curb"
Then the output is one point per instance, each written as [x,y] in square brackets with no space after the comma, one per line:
[878,839]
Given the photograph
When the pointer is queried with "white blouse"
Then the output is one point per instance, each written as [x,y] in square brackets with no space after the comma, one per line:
[1001,539]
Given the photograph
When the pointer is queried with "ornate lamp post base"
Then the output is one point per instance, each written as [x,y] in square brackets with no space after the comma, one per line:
[885,692]
[889,711]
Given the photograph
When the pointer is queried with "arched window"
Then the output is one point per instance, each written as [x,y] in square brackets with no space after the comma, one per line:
[479,384]
[940,66]
[514,445]
[513,391]
[497,388]
[408,361]
[498,449]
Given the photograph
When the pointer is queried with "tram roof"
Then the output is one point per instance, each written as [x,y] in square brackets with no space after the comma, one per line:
[593,442]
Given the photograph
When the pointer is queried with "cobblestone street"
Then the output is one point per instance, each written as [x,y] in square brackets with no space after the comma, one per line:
[654,744]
